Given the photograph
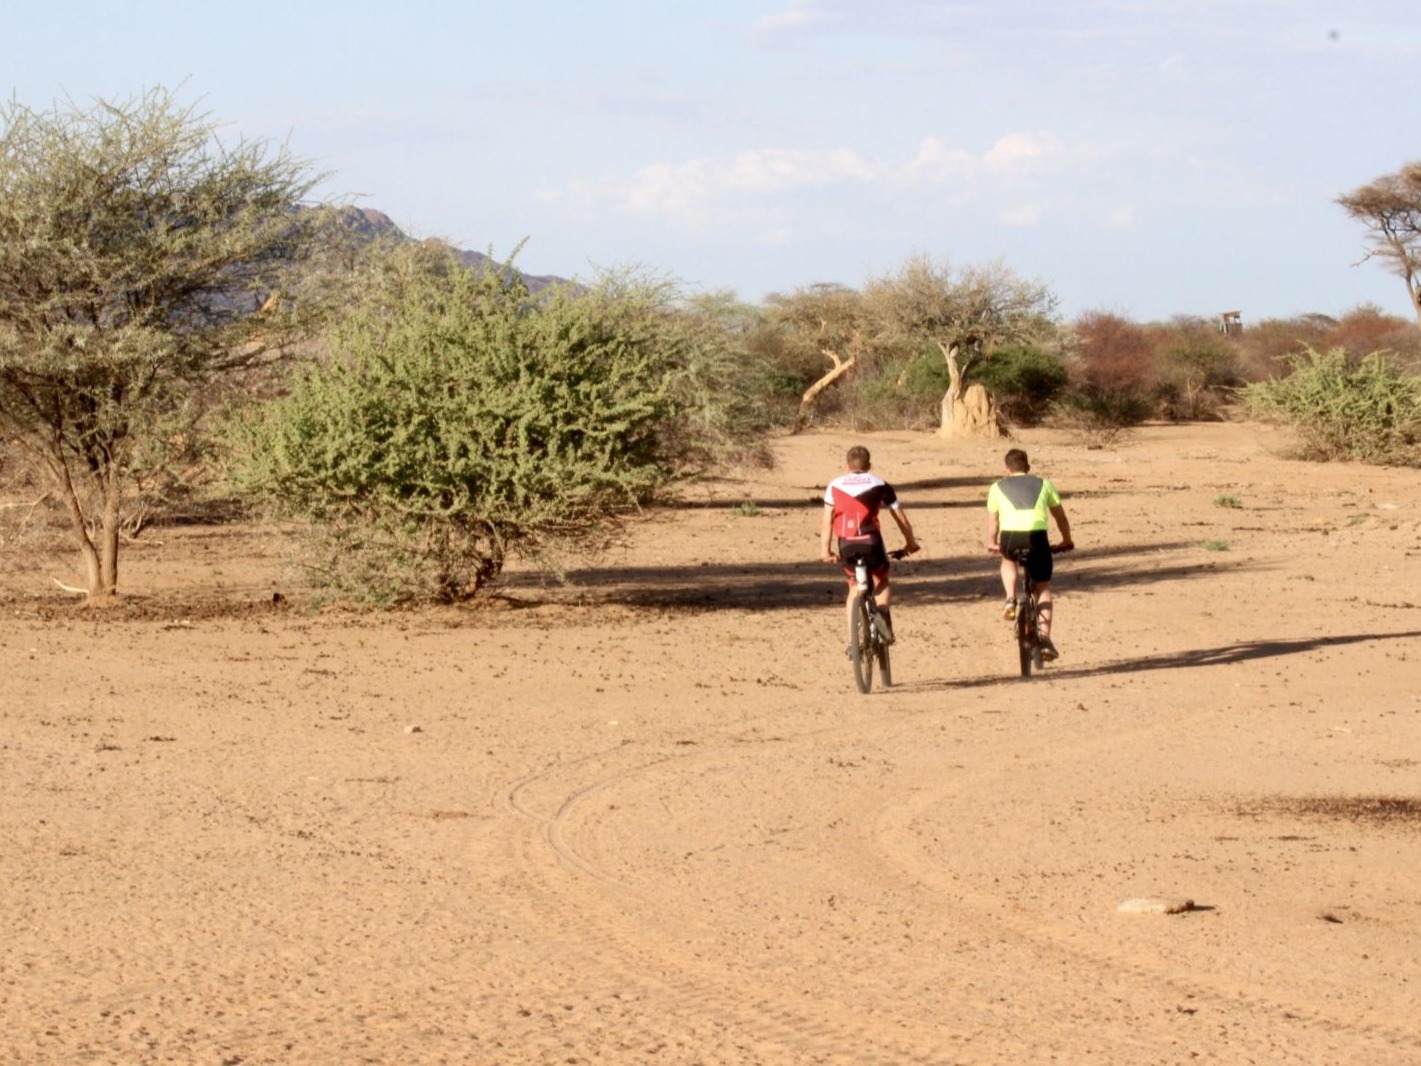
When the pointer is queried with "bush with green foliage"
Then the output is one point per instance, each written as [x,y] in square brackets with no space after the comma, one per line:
[1025,380]
[1368,410]
[727,392]
[1099,415]
[899,390]
[1197,372]
[459,419]
[894,391]
[1263,346]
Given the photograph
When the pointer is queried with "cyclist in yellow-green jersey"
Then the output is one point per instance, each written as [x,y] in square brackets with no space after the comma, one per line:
[1017,510]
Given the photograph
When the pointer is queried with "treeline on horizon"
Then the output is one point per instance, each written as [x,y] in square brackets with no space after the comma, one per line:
[175,335]
[1099,372]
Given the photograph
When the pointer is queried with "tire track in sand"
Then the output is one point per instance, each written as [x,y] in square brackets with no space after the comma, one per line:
[621,933]
[925,888]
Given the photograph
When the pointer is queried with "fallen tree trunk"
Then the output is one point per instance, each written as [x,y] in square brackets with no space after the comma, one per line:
[841,367]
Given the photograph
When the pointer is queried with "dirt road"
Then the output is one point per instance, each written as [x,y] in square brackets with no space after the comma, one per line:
[647,819]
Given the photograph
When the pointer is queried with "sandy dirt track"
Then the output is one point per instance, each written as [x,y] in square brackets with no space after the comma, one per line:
[647,819]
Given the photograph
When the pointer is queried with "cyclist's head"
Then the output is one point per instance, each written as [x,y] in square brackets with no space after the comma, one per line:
[1017,462]
[858,459]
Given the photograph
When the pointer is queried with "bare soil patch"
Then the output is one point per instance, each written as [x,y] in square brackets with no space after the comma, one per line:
[645,817]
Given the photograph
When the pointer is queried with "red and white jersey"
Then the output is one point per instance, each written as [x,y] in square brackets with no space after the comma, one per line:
[857,499]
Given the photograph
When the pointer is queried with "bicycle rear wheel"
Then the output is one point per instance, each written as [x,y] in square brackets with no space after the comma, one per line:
[1026,634]
[861,644]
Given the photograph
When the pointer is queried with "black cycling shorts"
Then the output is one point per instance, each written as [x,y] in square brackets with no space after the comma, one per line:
[871,549]
[1038,563]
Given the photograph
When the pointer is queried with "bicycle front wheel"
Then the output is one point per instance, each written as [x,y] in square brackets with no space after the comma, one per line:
[885,671]
[861,644]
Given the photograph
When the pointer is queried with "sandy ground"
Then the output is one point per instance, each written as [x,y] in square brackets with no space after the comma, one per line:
[648,819]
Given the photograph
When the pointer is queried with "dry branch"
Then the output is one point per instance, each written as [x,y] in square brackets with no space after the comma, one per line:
[841,367]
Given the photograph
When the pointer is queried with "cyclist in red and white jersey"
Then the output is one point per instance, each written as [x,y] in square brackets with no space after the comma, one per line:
[852,502]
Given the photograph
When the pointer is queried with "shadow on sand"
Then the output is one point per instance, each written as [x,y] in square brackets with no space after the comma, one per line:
[811,500]
[909,491]
[777,586]
[1223,655]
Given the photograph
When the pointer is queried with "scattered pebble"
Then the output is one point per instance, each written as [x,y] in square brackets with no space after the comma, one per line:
[414,729]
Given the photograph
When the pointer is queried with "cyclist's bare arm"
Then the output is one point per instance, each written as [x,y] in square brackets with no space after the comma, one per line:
[1064,525]
[905,527]
[993,541]
[826,533]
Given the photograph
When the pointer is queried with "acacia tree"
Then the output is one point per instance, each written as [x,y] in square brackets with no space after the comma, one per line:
[1390,208]
[723,384]
[967,314]
[140,258]
[828,320]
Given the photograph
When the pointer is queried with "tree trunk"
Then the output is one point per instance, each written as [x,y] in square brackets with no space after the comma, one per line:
[108,558]
[840,368]
[970,411]
[93,571]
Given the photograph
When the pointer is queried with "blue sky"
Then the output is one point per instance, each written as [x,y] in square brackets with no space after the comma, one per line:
[1146,157]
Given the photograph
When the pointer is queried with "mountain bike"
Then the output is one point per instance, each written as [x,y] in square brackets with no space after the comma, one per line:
[868,636]
[1028,613]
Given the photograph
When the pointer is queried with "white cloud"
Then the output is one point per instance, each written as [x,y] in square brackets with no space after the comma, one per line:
[1123,217]
[1016,154]
[801,14]
[937,161]
[758,185]
[1019,151]
[776,170]
[697,191]
[1174,64]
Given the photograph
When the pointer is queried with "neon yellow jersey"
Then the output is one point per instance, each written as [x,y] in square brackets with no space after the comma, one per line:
[1022,502]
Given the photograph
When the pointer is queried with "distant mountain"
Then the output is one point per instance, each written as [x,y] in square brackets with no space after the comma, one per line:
[368,224]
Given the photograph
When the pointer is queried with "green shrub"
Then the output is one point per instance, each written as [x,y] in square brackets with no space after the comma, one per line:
[1368,410]
[1196,373]
[907,392]
[905,395]
[727,392]
[924,377]
[1100,415]
[458,419]
[1231,502]
[1025,381]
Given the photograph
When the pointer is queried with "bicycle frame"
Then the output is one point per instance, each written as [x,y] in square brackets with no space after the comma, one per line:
[867,643]
[865,633]
[1028,611]
[1028,634]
